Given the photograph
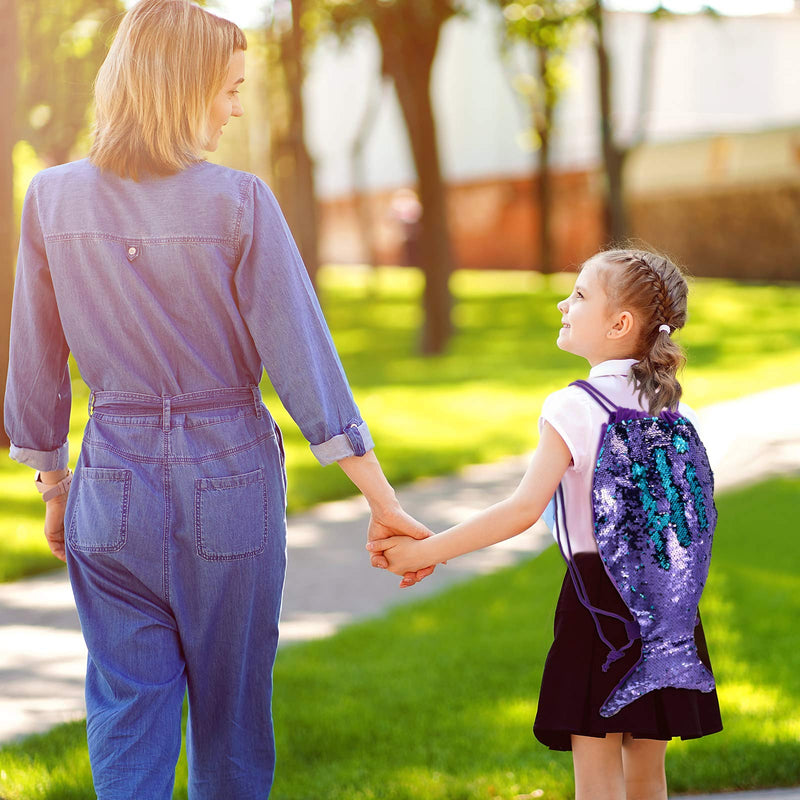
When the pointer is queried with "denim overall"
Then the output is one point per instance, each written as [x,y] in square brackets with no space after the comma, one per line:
[172,495]
[173,294]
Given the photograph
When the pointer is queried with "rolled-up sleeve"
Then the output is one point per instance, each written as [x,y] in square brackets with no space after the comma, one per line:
[38,394]
[278,303]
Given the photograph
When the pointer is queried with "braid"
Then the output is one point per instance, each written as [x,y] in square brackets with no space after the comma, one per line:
[655,289]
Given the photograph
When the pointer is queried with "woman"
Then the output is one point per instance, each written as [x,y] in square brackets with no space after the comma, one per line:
[174,282]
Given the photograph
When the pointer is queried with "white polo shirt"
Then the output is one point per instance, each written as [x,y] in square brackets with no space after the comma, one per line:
[578,418]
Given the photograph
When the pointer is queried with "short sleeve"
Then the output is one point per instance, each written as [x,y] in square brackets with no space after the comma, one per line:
[568,411]
[691,415]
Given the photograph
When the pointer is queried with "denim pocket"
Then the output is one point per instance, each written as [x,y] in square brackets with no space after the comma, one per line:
[230,516]
[100,518]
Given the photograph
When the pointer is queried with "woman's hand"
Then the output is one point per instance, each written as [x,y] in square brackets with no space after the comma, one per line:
[54,526]
[388,518]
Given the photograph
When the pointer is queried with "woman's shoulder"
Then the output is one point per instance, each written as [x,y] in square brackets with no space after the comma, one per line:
[69,171]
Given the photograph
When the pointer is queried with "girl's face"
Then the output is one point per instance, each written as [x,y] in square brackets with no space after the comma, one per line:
[226,104]
[587,324]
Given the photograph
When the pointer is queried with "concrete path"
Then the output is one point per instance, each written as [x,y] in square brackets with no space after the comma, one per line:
[762,794]
[329,581]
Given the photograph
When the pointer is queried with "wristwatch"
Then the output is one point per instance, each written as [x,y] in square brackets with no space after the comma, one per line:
[51,490]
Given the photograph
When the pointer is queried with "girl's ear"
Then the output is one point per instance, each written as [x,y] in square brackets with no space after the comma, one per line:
[622,326]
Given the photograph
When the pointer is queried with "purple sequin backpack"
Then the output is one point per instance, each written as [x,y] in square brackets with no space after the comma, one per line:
[654,519]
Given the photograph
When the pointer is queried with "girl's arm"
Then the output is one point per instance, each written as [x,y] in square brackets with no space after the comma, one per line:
[497,523]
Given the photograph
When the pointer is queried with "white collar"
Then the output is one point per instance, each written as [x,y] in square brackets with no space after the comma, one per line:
[617,366]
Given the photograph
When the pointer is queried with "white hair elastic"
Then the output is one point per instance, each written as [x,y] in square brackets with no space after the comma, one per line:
[664,329]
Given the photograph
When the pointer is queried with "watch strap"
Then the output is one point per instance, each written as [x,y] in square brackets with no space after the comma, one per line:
[49,491]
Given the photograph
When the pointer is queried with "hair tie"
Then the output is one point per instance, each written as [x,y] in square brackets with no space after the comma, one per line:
[664,328]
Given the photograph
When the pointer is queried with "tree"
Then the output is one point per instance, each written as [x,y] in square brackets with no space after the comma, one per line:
[62,47]
[8,137]
[408,33]
[49,55]
[546,27]
[615,151]
[291,33]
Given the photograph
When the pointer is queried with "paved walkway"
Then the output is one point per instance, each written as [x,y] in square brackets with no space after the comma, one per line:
[329,581]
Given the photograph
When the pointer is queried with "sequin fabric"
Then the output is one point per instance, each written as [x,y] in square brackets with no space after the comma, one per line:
[654,520]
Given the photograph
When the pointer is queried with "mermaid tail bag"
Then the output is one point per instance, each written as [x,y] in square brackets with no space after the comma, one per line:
[654,520]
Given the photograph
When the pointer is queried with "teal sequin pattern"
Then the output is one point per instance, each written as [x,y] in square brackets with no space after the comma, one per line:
[654,520]
[677,512]
[657,522]
[697,494]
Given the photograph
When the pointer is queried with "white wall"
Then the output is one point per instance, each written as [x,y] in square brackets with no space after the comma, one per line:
[711,76]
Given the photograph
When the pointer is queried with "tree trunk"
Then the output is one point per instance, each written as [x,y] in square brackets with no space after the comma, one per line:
[8,91]
[545,195]
[613,155]
[301,203]
[412,82]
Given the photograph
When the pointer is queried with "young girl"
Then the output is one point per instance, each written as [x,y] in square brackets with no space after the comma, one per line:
[619,317]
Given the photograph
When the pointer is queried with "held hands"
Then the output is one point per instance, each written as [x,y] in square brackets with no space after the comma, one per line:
[403,554]
[390,525]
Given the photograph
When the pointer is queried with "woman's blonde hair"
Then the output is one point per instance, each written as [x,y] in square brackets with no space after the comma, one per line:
[655,290]
[153,92]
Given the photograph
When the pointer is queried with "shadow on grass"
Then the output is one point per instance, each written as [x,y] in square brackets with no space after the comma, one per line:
[436,700]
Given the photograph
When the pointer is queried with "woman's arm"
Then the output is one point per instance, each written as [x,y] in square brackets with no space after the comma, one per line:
[283,315]
[501,521]
[38,395]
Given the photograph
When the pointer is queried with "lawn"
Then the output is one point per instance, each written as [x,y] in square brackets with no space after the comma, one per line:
[478,402]
[434,701]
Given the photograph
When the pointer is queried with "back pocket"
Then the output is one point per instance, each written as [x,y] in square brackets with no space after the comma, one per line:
[231,516]
[100,518]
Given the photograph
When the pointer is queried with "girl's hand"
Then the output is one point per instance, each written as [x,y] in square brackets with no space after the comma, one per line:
[54,526]
[403,554]
[388,523]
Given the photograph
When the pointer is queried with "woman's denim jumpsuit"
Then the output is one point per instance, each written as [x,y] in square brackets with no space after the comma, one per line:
[172,294]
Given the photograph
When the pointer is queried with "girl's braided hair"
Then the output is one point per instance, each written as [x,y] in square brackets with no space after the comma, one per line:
[654,290]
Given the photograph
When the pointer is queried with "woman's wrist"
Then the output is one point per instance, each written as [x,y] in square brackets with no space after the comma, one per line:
[366,473]
[383,500]
[52,477]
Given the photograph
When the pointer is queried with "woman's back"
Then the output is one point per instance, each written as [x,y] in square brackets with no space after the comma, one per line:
[167,286]
[143,275]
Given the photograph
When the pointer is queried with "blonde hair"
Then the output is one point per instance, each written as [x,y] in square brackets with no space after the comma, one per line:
[655,291]
[153,92]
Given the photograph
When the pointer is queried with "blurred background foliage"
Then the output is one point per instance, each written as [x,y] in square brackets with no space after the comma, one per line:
[62,46]
[53,48]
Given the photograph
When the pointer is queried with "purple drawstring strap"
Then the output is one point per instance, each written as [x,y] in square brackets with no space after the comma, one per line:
[631,628]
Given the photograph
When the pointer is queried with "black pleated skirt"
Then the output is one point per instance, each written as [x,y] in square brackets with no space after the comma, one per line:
[574,686]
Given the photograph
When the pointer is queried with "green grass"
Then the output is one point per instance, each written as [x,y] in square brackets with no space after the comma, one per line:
[434,701]
[478,402]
